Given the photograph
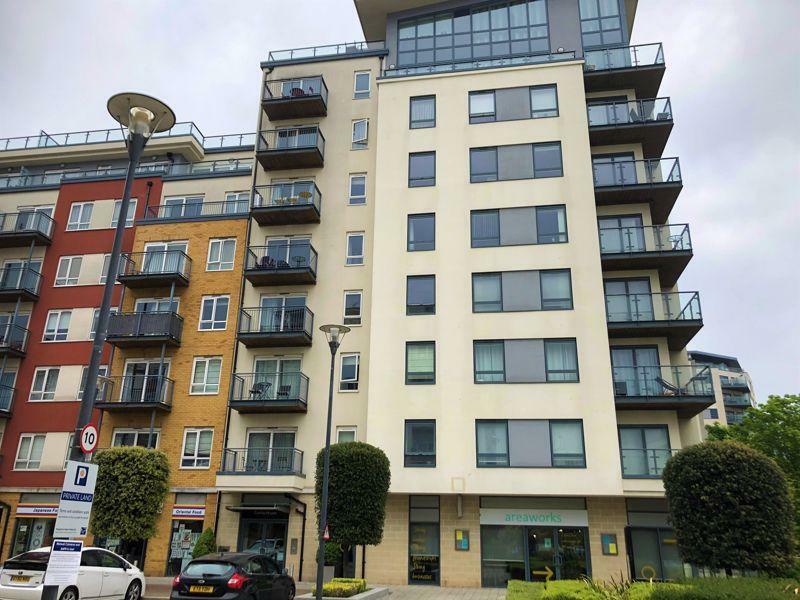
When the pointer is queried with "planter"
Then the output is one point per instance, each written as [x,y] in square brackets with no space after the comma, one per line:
[370,594]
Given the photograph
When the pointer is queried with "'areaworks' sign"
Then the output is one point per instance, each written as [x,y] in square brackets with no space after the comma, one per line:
[534,517]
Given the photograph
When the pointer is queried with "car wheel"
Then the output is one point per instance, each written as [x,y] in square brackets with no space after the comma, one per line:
[134,591]
[69,594]
[291,593]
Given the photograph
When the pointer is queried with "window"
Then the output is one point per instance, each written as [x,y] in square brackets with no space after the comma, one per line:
[348,377]
[530,443]
[221,254]
[644,450]
[352,307]
[44,384]
[360,131]
[517,226]
[104,269]
[711,413]
[485,228]
[80,215]
[512,291]
[482,164]
[134,437]
[129,216]
[551,224]
[420,444]
[420,363]
[421,295]
[205,375]
[525,361]
[489,362]
[511,104]
[197,448]
[96,319]
[361,84]
[561,359]
[214,313]
[424,535]
[69,269]
[102,372]
[547,160]
[70,442]
[345,434]
[422,112]
[481,107]
[421,232]
[236,203]
[601,23]
[556,288]
[178,207]
[421,169]
[29,452]
[517,161]
[487,292]
[355,249]
[56,327]
[544,101]
[358,190]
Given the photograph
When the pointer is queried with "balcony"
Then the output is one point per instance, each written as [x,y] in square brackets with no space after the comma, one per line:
[737,400]
[197,210]
[19,283]
[287,203]
[644,463]
[276,327]
[645,122]
[322,53]
[25,228]
[667,248]
[7,394]
[674,315]
[281,264]
[13,340]
[734,383]
[295,98]
[630,67]
[291,148]
[685,389]
[657,181]
[142,329]
[155,268]
[269,393]
[135,392]
[262,461]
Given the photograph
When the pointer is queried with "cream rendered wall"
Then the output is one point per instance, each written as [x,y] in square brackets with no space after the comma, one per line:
[91,269]
[455,401]
[212,188]
[68,384]
[80,324]
[54,451]
[12,201]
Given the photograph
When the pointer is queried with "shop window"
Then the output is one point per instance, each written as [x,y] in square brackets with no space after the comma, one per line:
[423,540]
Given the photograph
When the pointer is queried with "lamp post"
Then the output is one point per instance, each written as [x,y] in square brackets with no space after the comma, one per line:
[334,335]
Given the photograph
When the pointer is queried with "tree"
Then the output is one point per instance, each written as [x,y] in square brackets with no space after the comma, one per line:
[132,483]
[730,507]
[206,544]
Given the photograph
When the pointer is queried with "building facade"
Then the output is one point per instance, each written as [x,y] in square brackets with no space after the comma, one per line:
[733,388]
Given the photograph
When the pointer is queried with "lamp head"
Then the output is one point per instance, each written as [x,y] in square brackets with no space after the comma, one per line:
[334,333]
[140,113]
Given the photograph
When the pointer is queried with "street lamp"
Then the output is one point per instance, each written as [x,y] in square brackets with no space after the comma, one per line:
[334,335]
[142,116]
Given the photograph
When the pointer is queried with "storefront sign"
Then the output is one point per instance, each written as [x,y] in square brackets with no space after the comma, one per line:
[462,540]
[65,559]
[188,511]
[38,510]
[534,516]
[77,496]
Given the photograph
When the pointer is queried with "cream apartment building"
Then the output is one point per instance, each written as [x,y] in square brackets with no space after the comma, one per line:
[733,388]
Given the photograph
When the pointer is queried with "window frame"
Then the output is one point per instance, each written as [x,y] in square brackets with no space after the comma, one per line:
[41,393]
[215,300]
[346,429]
[362,94]
[137,433]
[476,343]
[205,384]
[78,225]
[349,258]
[484,117]
[412,217]
[350,385]
[485,178]
[101,372]
[60,312]
[409,311]
[356,200]
[642,427]
[199,431]
[360,317]
[421,124]
[536,210]
[118,207]
[70,259]
[577,362]
[360,143]
[104,269]
[27,460]
[549,422]
[221,242]
[417,182]
[406,428]
[531,90]
[433,373]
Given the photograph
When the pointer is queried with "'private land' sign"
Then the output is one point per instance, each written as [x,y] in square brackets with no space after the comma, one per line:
[77,496]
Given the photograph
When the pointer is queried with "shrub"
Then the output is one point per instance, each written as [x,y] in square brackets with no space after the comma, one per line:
[339,589]
[206,544]
[730,508]
[333,552]
[132,483]
[361,583]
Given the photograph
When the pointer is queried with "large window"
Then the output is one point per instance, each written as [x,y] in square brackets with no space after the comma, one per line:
[56,327]
[420,444]
[221,254]
[466,34]
[421,232]
[29,452]
[512,291]
[601,22]
[518,161]
[129,215]
[530,443]
[197,448]
[420,363]
[134,437]
[423,540]
[69,270]
[214,313]
[525,361]
[421,169]
[511,104]
[644,449]
[518,226]
[102,372]
[348,376]
[422,112]
[44,383]
[421,295]
[205,375]
[80,216]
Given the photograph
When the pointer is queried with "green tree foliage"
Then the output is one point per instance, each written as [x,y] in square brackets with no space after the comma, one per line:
[359,487]
[132,483]
[206,544]
[731,508]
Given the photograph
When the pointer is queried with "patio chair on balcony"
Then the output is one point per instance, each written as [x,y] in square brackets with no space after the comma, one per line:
[260,391]
[266,262]
[674,390]
[283,392]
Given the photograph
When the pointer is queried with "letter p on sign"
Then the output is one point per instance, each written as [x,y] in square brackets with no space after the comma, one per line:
[88,439]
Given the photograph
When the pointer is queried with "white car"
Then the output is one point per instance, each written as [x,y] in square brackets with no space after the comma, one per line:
[102,574]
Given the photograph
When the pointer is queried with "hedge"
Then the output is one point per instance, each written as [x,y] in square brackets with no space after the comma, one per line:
[342,588]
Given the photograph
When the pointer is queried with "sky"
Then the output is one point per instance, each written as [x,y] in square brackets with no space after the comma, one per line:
[732,75]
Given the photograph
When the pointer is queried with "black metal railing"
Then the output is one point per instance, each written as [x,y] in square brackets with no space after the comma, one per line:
[7,394]
[647,238]
[136,389]
[156,262]
[263,461]
[296,88]
[625,173]
[193,210]
[605,114]
[19,279]
[269,388]
[279,257]
[276,320]
[324,51]
[291,138]
[666,306]
[662,381]
[299,193]
[624,57]
[26,222]
[645,462]
[145,325]
[13,338]
[471,65]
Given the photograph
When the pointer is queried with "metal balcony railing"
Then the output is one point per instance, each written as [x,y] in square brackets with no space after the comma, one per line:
[231,140]
[7,394]
[242,166]
[194,210]
[667,306]
[645,462]
[649,238]
[20,279]
[144,390]
[262,461]
[733,382]
[270,388]
[662,381]
[13,338]
[297,88]
[625,57]
[626,173]
[298,193]
[162,324]
[608,114]
[470,65]
[325,51]
[26,222]
[737,400]
[283,256]
[291,138]
[276,320]
[156,263]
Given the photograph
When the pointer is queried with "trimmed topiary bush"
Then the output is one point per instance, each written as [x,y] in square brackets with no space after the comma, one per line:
[730,507]
[206,544]
[132,483]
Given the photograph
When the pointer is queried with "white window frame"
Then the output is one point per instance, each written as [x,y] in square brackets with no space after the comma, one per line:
[205,384]
[360,94]
[195,458]
[118,210]
[355,257]
[137,432]
[358,372]
[27,460]
[360,308]
[102,372]
[80,223]
[104,268]
[59,320]
[70,440]
[221,242]
[215,299]
[69,261]
[359,143]
[356,200]
[38,395]
[347,429]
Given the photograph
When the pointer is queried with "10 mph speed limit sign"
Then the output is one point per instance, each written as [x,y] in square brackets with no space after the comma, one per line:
[88,439]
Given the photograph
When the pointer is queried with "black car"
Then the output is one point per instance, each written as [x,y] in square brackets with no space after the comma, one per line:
[233,576]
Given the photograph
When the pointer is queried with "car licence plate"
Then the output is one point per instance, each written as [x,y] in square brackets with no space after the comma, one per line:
[201,589]
[20,579]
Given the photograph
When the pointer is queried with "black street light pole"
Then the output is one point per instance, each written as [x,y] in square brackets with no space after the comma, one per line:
[334,333]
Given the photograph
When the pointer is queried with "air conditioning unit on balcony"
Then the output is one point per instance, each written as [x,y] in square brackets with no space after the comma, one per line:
[620,388]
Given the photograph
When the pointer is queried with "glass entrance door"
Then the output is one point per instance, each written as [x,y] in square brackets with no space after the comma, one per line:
[264,536]
[571,562]
[558,553]
[541,553]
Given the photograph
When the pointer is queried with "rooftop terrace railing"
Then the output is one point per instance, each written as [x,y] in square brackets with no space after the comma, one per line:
[325,51]
[624,57]
[26,222]
[471,65]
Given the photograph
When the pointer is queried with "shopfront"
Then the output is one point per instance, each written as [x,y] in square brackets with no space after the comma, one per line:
[263,526]
[188,514]
[652,547]
[423,540]
[35,519]
[533,539]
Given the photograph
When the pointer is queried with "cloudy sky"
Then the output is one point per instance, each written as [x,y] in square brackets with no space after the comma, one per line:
[731,72]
